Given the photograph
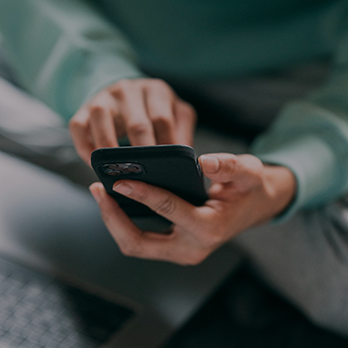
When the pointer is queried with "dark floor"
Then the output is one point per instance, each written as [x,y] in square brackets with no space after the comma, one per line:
[245,313]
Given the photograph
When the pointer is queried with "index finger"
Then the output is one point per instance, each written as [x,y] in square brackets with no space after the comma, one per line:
[162,202]
[130,239]
[133,111]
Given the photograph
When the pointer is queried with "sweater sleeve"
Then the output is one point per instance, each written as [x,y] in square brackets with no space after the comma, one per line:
[310,137]
[64,51]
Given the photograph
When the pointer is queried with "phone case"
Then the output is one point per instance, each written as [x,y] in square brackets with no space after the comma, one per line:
[172,167]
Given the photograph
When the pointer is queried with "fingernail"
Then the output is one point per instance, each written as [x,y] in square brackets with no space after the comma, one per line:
[95,191]
[210,164]
[123,188]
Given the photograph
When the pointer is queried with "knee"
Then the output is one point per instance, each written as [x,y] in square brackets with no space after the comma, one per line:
[330,313]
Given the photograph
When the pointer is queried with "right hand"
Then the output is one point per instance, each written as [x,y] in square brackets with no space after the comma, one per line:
[244,193]
[146,110]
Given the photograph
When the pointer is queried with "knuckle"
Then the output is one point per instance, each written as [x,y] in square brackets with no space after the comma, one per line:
[228,166]
[160,84]
[124,84]
[75,124]
[138,128]
[191,112]
[193,115]
[253,166]
[95,110]
[187,111]
[106,142]
[163,121]
[165,207]
[231,165]
[161,89]
[121,88]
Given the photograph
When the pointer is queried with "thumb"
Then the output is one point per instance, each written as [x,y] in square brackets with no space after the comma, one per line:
[115,219]
[218,167]
[108,206]
[243,170]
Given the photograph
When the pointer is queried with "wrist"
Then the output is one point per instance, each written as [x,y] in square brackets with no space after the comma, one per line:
[281,186]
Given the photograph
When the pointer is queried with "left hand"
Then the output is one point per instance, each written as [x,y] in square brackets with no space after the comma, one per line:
[244,193]
[147,110]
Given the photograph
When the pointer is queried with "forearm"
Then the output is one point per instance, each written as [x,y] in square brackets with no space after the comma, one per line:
[313,143]
[310,135]
[55,54]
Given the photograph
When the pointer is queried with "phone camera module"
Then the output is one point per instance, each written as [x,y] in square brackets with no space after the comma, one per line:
[116,169]
[132,168]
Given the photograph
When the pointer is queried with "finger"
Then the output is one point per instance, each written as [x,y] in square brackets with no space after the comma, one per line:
[163,202]
[103,109]
[131,240]
[218,167]
[109,209]
[102,126]
[133,111]
[185,122]
[243,170]
[81,135]
[119,126]
[159,101]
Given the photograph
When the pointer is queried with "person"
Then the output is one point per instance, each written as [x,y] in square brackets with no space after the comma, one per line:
[102,65]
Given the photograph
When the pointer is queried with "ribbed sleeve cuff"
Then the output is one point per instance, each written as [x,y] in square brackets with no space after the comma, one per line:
[313,163]
[100,72]
[107,70]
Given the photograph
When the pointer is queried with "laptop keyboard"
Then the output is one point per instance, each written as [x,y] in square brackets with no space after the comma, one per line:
[38,311]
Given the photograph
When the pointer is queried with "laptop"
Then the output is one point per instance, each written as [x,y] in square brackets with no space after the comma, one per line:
[56,252]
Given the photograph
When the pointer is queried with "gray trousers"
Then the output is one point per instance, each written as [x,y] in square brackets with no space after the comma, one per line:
[305,259]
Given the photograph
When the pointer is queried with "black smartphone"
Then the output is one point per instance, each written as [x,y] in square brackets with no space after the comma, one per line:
[172,167]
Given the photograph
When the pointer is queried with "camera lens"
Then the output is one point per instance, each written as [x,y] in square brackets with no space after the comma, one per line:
[122,168]
[131,168]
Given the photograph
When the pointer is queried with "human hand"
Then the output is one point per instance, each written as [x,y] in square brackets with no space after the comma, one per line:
[146,110]
[244,193]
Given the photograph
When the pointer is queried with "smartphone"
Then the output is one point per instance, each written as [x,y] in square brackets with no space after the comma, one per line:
[171,167]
